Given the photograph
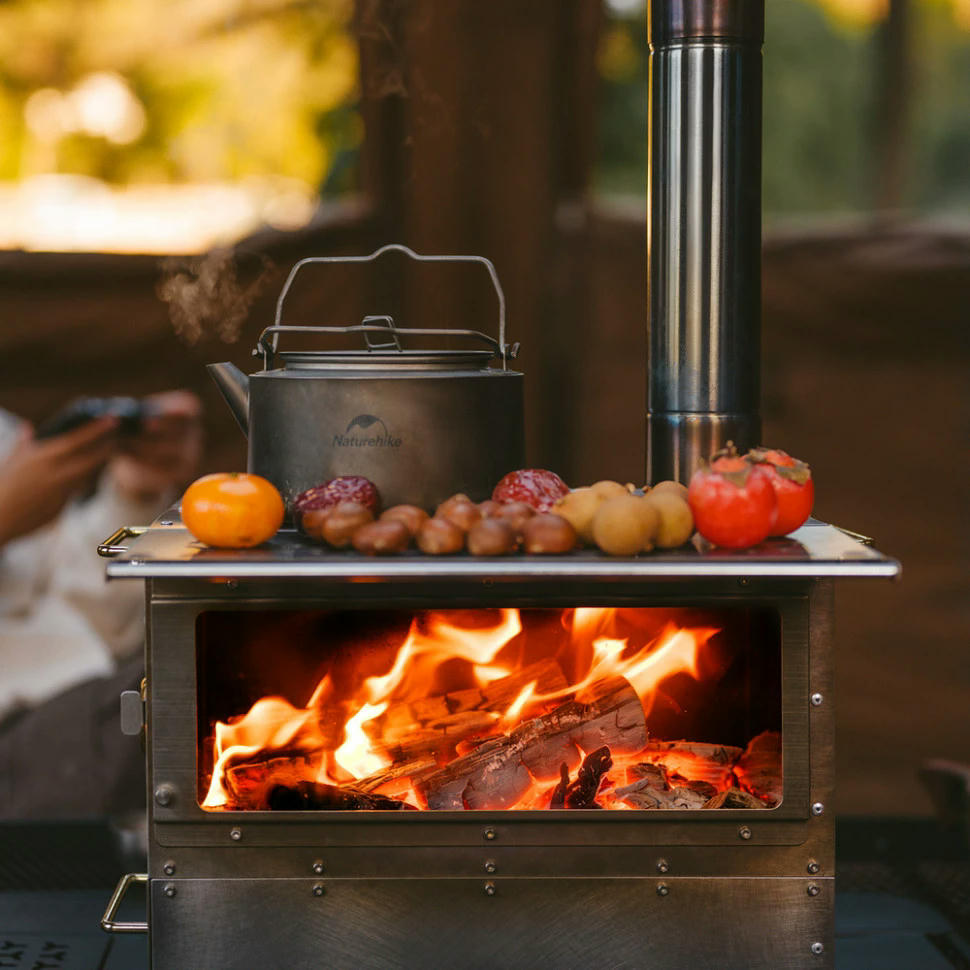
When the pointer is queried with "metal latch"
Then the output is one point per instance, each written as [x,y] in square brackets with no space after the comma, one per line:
[132,712]
[108,922]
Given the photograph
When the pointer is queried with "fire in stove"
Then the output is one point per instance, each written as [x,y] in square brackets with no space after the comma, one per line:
[583,708]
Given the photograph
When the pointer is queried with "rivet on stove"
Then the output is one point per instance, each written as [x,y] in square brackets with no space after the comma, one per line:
[663,866]
[818,808]
[319,889]
[169,868]
[490,835]
[813,889]
[169,890]
[164,795]
[816,700]
[744,832]
[813,867]
[490,866]
[232,584]
[317,867]
[490,889]
[817,948]
[663,889]
[743,581]
[235,834]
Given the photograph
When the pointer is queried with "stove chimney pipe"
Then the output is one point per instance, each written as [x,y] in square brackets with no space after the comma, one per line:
[703,231]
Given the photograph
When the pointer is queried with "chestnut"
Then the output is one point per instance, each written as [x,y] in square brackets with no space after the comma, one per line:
[440,537]
[489,508]
[384,538]
[516,514]
[344,520]
[491,537]
[311,522]
[459,509]
[548,534]
[412,516]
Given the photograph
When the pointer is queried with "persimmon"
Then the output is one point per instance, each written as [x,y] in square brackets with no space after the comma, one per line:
[232,510]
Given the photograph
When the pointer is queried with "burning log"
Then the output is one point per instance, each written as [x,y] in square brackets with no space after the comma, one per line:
[583,791]
[695,760]
[314,796]
[401,772]
[735,798]
[431,714]
[759,768]
[498,772]
[249,784]
[649,789]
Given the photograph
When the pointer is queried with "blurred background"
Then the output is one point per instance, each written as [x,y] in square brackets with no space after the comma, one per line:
[163,163]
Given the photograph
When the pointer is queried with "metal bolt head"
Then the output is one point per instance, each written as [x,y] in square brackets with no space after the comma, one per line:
[164,795]
[232,584]
[663,889]
[235,834]
[818,808]
[490,889]
[663,866]
[319,889]
[165,522]
[817,948]
[813,889]
[490,835]
[816,700]
[744,832]
[169,868]
[317,867]
[490,866]
[813,867]
[169,890]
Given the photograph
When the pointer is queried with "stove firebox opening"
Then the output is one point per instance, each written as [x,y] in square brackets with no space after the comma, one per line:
[627,708]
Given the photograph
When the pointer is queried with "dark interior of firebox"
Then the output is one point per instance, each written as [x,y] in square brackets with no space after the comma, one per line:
[641,708]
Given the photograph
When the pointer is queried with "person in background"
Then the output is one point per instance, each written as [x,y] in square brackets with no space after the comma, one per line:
[69,640]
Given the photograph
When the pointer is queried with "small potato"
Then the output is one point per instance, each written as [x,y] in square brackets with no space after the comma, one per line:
[516,514]
[578,509]
[548,534]
[311,522]
[412,516]
[609,489]
[382,538]
[459,509]
[344,520]
[625,526]
[491,537]
[671,487]
[440,537]
[676,523]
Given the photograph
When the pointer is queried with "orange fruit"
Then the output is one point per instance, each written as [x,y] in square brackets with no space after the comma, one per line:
[232,510]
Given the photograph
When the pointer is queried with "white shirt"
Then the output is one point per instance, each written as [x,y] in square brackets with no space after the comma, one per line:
[61,622]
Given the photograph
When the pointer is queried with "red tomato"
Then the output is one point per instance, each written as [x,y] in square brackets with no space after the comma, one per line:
[793,485]
[232,511]
[732,501]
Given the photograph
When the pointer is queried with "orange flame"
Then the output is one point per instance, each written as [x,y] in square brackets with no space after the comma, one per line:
[347,738]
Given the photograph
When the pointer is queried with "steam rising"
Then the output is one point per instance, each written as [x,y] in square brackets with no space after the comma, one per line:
[205,295]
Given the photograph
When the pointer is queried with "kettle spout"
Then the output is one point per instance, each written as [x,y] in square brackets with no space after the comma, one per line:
[234,385]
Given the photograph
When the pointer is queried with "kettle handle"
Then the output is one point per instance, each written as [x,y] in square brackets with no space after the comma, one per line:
[505,352]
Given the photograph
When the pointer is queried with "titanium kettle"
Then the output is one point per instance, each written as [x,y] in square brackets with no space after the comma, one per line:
[422,425]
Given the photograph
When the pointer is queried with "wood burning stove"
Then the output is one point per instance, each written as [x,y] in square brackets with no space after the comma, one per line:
[289,858]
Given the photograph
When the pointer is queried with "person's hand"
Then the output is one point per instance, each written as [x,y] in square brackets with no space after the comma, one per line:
[39,477]
[165,455]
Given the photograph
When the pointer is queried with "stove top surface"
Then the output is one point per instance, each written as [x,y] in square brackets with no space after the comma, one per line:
[167,549]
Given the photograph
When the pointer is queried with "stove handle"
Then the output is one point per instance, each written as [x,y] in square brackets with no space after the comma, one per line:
[111,546]
[108,923]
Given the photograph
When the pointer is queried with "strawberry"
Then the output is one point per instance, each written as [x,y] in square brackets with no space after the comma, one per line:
[534,486]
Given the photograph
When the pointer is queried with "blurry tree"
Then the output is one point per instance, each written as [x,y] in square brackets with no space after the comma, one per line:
[861,110]
[178,90]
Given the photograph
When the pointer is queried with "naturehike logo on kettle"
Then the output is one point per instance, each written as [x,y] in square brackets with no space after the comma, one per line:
[350,439]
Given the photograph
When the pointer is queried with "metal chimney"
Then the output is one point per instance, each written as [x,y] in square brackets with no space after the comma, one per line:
[703,231]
